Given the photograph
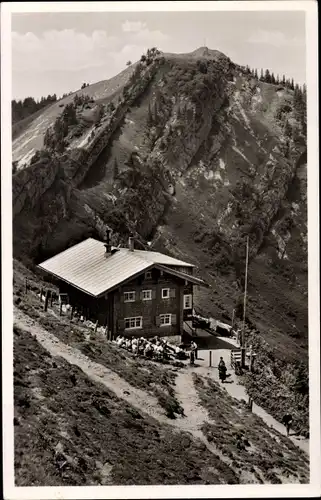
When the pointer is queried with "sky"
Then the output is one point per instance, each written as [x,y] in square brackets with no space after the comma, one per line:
[57,52]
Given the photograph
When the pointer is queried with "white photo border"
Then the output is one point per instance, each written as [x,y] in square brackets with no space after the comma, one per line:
[11,491]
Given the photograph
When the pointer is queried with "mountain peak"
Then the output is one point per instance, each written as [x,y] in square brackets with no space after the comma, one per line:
[206,52]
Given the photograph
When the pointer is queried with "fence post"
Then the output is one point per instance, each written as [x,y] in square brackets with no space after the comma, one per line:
[233,315]
[71,312]
[243,349]
[51,298]
[96,325]
[46,300]
[210,360]
[251,358]
[41,292]
[60,308]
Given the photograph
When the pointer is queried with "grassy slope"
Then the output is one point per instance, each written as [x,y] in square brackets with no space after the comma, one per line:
[159,381]
[70,431]
[241,436]
[63,421]
[31,133]
[188,226]
[277,303]
[22,125]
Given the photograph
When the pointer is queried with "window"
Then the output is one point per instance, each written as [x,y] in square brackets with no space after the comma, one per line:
[187,301]
[132,323]
[165,319]
[129,297]
[165,293]
[148,275]
[147,295]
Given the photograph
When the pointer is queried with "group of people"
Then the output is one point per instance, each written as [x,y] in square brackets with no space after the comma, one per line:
[155,348]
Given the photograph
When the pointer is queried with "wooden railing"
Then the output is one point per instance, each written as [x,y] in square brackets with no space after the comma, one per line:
[236,356]
[188,328]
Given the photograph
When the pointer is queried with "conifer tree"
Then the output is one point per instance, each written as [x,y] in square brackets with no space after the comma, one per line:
[287,149]
[304,91]
[155,113]
[149,116]
[115,169]
[255,74]
[299,105]
[261,75]
[287,129]
[267,76]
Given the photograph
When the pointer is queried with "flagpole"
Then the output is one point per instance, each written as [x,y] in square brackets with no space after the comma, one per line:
[244,304]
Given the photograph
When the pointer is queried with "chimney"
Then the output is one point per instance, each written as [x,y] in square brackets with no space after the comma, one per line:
[107,243]
[131,244]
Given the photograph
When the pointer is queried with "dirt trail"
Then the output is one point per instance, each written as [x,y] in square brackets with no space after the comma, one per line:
[195,413]
[238,391]
[97,372]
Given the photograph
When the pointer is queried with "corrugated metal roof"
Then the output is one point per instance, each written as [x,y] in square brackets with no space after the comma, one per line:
[85,266]
[184,276]
[160,258]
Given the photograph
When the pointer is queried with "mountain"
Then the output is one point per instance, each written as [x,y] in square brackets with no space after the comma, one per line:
[191,153]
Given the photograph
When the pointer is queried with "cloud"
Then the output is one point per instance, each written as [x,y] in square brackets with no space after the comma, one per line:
[67,55]
[70,50]
[151,38]
[133,26]
[60,50]
[275,38]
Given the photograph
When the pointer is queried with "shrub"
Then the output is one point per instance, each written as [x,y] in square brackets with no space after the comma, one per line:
[14,167]
[111,107]
[169,403]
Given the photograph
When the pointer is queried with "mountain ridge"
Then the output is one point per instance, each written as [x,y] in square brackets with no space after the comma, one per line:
[190,138]
[190,154]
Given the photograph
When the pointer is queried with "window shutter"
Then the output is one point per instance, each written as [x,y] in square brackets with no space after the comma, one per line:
[154,294]
[172,293]
[121,324]
[173,319]
[141,295]
[157,320]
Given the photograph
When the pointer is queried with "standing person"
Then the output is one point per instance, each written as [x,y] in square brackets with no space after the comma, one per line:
[287,421]
[222,370]
[195,348]
[192,354]
[221,363]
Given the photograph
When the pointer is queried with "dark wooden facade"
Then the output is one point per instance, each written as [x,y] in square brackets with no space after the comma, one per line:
[112,310]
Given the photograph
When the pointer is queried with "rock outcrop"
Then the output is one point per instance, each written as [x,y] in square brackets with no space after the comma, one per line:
[195,156]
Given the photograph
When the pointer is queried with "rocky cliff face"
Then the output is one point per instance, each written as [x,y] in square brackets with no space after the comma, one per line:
[195,157]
